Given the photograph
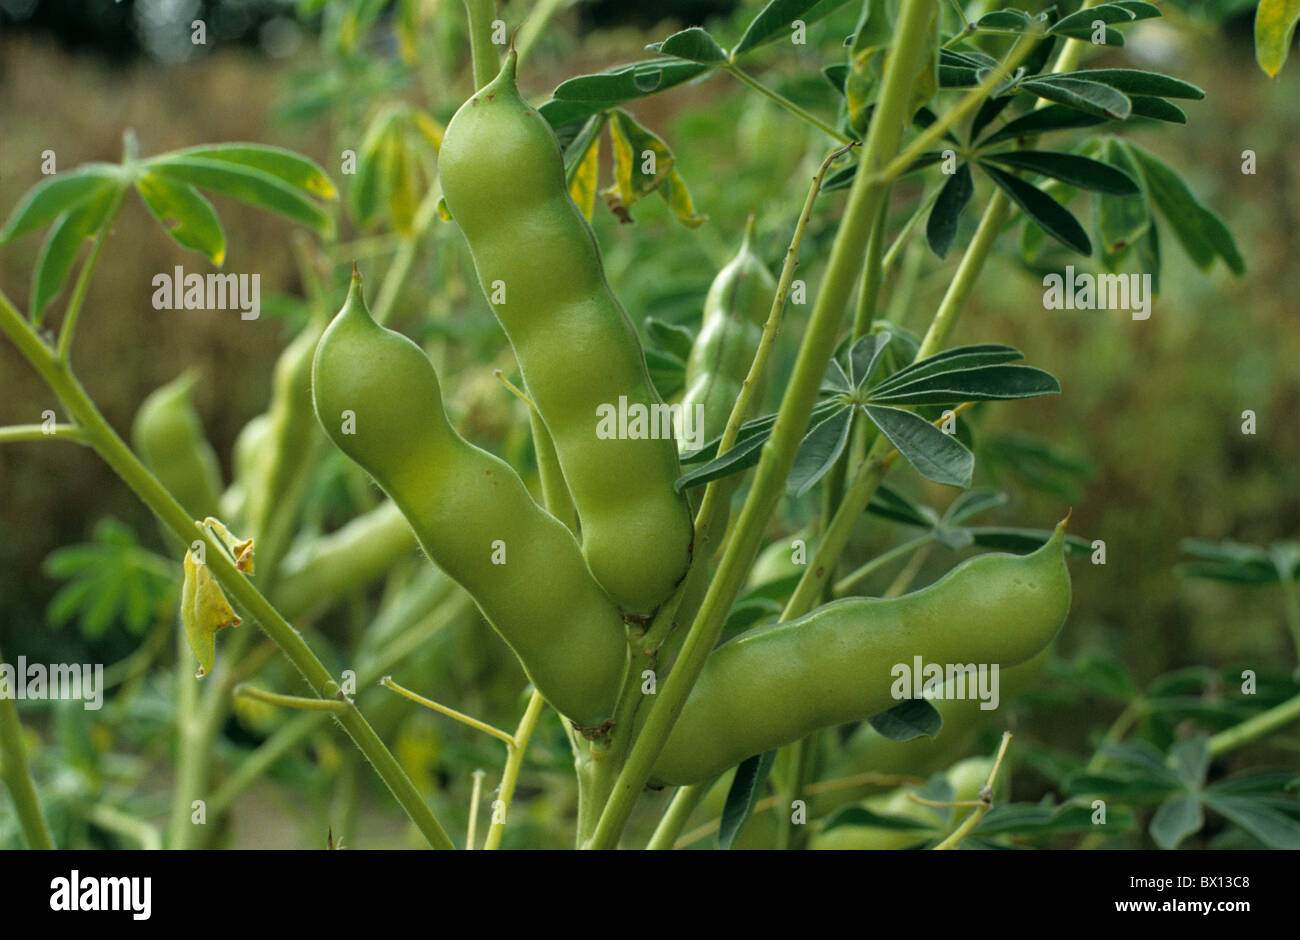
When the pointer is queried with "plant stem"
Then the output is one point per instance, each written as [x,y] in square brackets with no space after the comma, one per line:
[69,326]
[510,776]
[787,104]
[969,102]
[842,586]
[17,778]
[37,432]
[985,803]
[674,820]
[471,831]
[296,702]
[1252,729]
[126,465]
[388,683]
[872,271]
[537,19]
[778,453]
[487,62]
[1291,609]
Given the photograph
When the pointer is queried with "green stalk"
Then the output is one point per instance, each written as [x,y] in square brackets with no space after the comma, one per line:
[36,432]
[300,726]
[17,778]
[510,776]
[126,465]
[674,820]
[787,104]
[1252,729]
[487,62]
[843,585]
[78,298]
[872,271]
[778,453]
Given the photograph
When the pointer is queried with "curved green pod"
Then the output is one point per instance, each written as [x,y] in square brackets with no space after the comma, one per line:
[735,310]
[502,175]
[168,436]
[778,683]
[378,398]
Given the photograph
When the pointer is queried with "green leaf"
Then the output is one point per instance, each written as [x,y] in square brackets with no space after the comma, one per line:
[941,227]
[246,184]
[50,198]
[1022,541]
[741,457]
[989,110]
[773,22]
[1274,25]
[1048,214]
[907,720]
[983,383]
[934,455]
[1033,819]
[818,451]
[670,337]
[1273,828]
[1137,82]
[1201,233]
[891,504]
[667,372]
[866,356]
[1078,25]
[862,817]
[1121,220]
[579,98]
[1190,759]
[1157,109]
[746,788]
[949,360]
[760,428]
[1090,97]
[1071,168]
[285,165]
[188,218]
[694,45]
[1054,117]
[970,504]
[1014,20]
[1176,819]
[62,245]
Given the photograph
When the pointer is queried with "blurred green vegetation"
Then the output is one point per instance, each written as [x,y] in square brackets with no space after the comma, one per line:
[1153,407]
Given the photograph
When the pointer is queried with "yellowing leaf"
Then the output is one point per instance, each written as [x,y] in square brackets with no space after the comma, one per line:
[583,185]
[1274,25]
[204,611]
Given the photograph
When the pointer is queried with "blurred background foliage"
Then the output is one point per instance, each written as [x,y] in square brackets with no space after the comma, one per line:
[1145,443]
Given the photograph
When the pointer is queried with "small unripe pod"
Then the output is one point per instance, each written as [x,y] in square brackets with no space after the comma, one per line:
[168,436]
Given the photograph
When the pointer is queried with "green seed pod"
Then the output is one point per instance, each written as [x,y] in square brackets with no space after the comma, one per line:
[250,448]
[735,310]
[778,683]
[168,436]
[502,174]
[378,398]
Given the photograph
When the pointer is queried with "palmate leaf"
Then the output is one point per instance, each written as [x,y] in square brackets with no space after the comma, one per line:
[247,184]
[1257,817]
[109,579]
